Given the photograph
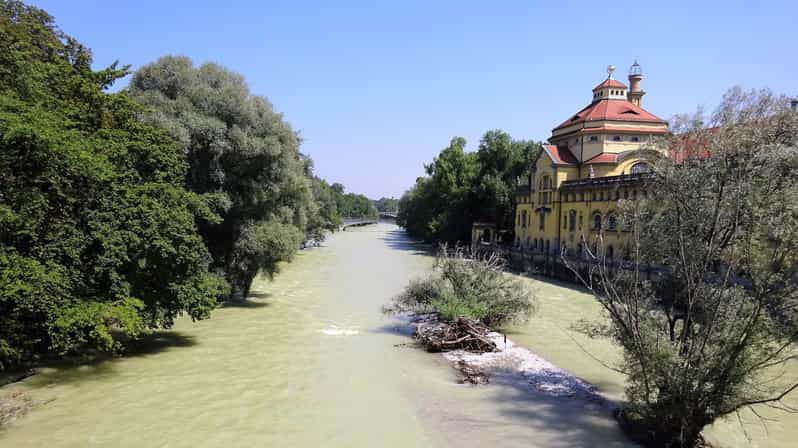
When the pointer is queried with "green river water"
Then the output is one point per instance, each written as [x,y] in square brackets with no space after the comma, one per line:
[310,361]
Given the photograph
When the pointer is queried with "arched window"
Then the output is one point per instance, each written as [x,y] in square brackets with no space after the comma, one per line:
[612,223]
[640,168]
[596,221]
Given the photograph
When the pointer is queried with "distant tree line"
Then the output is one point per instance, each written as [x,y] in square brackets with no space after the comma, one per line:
[351,205]
[386,205]
[463,187]
[120,212]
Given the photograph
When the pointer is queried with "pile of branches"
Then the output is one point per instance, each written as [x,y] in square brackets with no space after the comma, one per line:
[461,334]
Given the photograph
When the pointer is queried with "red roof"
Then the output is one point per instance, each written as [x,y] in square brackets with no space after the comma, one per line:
[611,109]
[692,145]
[610,83]
[604,157]
[560,156]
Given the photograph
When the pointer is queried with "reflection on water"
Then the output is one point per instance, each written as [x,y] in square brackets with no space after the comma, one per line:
[308,360]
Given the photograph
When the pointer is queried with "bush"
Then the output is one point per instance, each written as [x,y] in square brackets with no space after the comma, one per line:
[467,286]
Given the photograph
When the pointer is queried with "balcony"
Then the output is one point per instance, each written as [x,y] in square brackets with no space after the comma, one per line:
[606,181]
[522,190]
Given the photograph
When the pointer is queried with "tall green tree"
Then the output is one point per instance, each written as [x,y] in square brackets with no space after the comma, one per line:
[462,187]
[501,162]
[97,234]
[243,158]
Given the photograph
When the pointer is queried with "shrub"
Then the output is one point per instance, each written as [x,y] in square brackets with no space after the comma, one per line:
[465,285]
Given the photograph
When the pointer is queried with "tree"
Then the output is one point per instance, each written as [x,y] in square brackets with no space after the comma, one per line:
[711,336]
[461,188]
[386,205]
[353,205]
[438,207]
[243,159]
[98,237]
[501,162]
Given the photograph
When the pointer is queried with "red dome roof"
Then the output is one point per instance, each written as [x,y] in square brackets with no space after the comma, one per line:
[611,109]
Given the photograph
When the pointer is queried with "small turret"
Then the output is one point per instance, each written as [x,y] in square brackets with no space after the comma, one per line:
[635,95]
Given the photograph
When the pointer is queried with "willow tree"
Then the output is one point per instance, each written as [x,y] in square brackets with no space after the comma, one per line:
[243,158]
[714,333]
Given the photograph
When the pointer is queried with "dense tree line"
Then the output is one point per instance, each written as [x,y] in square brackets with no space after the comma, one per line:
[463,187]
[120,212]
[386,205]
[352,205]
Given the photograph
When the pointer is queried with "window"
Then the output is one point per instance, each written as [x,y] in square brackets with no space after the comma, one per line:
[640,168]
[612,223]
[617,195]
[616,138]
[593,138]
[572,220]
[626,194]
[523,218]
[597,221]
[635,139]
[610,252]
[542,219]
[545,193]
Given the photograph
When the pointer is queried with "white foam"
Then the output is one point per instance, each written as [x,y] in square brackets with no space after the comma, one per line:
[516,362]
[335,331]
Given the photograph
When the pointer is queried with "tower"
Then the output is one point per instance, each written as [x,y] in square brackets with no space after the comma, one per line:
[635,95]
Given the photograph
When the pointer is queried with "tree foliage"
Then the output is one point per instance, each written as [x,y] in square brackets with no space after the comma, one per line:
[97,234]
[714,334]
[353,205]
[462,187]
[386,205]
[244,159]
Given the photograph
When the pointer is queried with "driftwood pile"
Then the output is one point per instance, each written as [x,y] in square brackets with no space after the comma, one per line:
[462,334]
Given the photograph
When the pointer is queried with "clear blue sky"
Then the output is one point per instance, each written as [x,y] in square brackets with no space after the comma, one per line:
[377,89]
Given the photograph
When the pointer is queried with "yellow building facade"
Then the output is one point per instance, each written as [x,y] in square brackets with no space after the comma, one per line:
[595,158]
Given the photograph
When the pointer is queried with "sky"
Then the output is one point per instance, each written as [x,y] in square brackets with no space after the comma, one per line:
[376,88]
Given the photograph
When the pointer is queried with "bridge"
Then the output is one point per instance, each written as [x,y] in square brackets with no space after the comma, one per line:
[357,222]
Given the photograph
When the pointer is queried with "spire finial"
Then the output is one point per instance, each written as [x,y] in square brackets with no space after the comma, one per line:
[610,71]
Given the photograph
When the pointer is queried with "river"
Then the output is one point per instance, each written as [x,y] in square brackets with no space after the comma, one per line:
[310,361]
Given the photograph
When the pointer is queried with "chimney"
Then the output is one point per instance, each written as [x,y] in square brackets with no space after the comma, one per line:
[635,94]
